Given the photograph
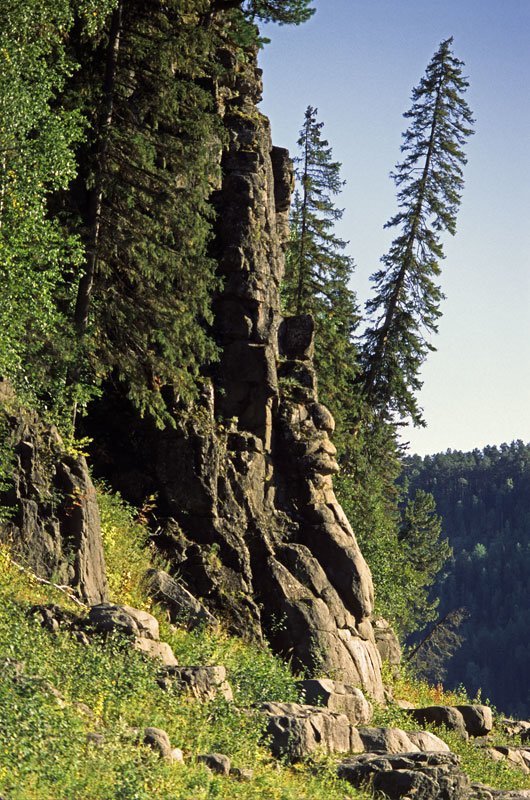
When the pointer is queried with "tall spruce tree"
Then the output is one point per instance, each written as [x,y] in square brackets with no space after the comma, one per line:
[285,12]
[143,300]
[405,308]
[318,270]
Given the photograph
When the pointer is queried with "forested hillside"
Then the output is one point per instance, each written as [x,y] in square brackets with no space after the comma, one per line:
[483,498]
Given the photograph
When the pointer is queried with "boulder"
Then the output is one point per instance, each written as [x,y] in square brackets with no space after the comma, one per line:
[295,730]
[112,618]
[184,609]
[296,337]
[204,683]
[514,756]
[55,528]
[447,716]
[424,776]
[386,740]
[427,742]
[339,697]
[478,719]
[387,642]
[158,740]
[159,650]
[516,727]
[216,762]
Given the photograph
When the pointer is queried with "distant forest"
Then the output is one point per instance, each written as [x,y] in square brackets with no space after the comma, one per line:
[483,498]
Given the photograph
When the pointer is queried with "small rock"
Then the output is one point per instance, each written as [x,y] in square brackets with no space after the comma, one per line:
[217,762]
[97,739]
[183,607]
[478,719]
[296,730]
[159,741]
[337,697]
[386,740]
[59,698]
[159,650]
[85,710]
[112,618]
[205,683]
[242,774]
[177,756]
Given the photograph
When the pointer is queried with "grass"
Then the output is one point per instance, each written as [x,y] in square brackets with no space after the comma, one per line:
[108,688]
[475,761]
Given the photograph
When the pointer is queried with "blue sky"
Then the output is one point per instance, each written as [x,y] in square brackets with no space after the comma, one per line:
[357,61]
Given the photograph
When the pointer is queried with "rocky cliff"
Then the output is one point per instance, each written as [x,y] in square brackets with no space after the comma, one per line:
[53,524]
[245,503]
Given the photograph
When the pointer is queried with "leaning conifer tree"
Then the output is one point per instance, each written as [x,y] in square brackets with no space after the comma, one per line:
[405,308]
[318,270]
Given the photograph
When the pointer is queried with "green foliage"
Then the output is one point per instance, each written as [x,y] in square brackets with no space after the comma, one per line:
[318,271]
[401,544]
[475,761]
[45,754]
[292,12]
[405,308]
[482,498]
[127,552]
[36,159]
[147,171]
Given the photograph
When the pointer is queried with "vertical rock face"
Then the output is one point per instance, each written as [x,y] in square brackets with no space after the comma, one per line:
[244,484]
[54,526]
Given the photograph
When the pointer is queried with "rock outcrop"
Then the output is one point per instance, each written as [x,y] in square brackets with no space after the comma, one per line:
[54,526]
[246,508]
[469,720]
[425,776]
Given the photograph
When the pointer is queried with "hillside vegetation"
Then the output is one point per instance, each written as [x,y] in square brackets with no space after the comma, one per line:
[483,498]
[54,690]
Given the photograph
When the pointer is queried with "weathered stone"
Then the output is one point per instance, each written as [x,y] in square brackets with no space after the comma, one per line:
[386,740]
[183,607]
[282,168]
[516,728]
[387,642]
[177,756]
[424,776]
[514,756]
[297,730]
[427,742]
[204,683]
[296,337]
[217,762]
[447,716]
[55,529]
[244,489]
[158,740]
[338,697]
[159,650]
[112,618]
[478,719]
[322,417]
[242,774]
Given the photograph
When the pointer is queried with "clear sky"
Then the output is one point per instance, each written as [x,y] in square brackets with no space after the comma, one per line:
[357,61]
